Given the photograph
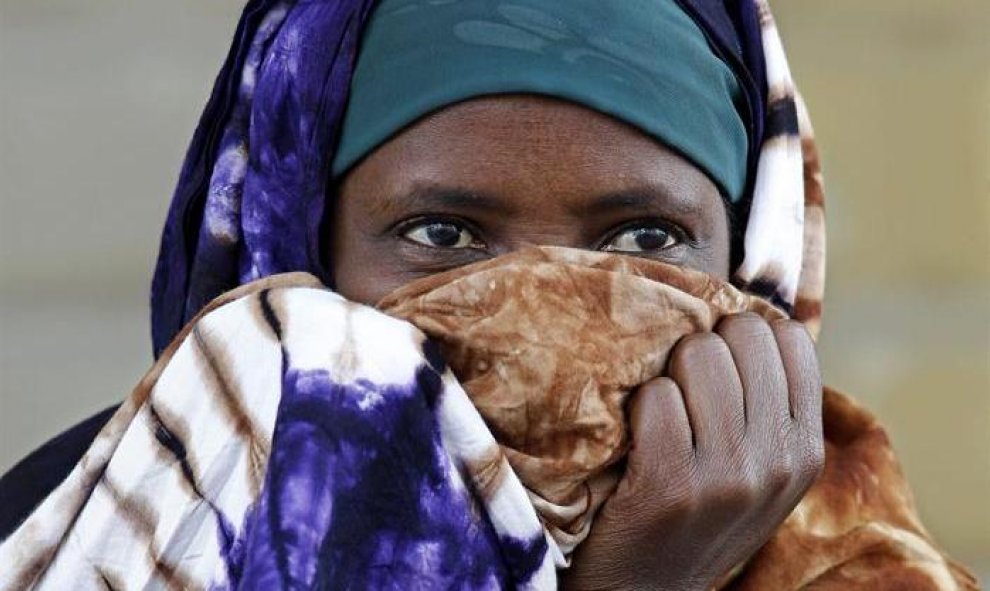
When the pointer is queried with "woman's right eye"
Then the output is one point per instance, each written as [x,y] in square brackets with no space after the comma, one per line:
[441,234]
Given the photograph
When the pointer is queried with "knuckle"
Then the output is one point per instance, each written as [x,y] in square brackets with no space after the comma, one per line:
[698,342]
[783,431]
[735,454]
[743,319]
[654,387]
[780,434]
[791,330]
[695,348]
[788,324]
[743,324]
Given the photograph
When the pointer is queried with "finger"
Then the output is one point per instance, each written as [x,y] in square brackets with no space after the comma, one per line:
[661,433]
[800,364]
[702,367]
[661,459]
[761,370]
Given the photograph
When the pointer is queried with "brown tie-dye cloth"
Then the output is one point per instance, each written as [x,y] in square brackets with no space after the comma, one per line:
[549,342]
[857,527]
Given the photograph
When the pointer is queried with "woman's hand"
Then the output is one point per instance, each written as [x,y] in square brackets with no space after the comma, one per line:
[723,447]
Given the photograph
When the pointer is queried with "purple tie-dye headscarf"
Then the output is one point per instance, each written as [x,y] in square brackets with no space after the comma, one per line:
[252,193]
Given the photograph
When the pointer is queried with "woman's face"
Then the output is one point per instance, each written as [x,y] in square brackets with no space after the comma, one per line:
[487,176]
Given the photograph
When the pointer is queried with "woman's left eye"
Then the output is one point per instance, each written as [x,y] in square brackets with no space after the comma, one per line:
[641,239]
[441,234]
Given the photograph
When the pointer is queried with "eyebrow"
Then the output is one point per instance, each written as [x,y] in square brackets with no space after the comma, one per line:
[443,197]
[646,198]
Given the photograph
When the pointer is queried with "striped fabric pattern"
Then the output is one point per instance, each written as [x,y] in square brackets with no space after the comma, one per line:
[784,242]
[276,445]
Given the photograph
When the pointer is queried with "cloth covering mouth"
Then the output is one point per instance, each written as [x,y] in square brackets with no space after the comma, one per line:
[290,438]
[549,342]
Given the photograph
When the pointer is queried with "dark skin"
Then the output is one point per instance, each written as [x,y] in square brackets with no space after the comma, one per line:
[728,440]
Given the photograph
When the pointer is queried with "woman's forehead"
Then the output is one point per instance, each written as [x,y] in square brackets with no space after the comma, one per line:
[529,142]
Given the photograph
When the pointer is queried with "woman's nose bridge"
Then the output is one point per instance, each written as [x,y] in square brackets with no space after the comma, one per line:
[545,231]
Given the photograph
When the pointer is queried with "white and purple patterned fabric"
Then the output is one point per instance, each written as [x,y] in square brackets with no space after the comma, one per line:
[279,445]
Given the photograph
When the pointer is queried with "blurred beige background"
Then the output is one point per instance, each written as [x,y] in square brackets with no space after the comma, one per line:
[99,97]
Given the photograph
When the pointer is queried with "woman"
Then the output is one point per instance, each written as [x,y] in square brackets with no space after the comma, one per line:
[290,437]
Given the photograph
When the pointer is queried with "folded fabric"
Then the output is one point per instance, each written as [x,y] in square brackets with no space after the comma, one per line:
[288,438]
[549,342]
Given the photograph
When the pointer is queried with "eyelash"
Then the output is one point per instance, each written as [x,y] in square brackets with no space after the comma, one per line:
[679,234]
[403,228]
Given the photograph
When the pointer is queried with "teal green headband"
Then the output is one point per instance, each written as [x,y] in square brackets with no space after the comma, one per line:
[644,62]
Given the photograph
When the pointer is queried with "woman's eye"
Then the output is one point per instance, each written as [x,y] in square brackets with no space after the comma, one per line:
[642,239]
[441,235]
